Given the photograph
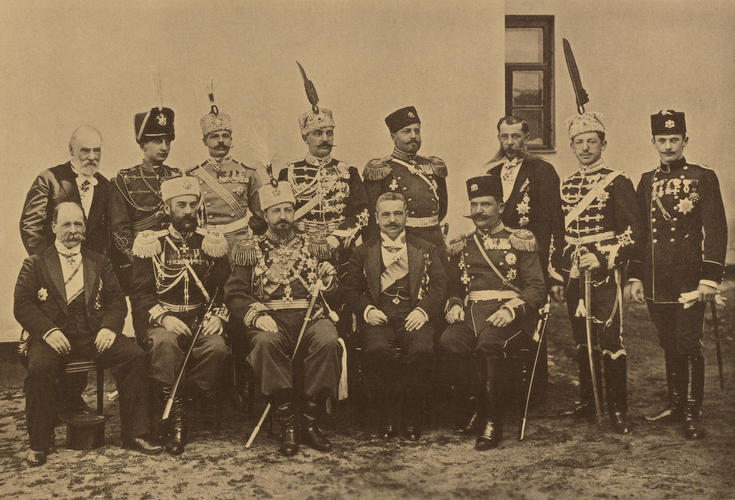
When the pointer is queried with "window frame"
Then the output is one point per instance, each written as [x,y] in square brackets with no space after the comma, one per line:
[546,23]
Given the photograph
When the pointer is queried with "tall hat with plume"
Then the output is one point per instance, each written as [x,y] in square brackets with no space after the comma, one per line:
[158,121]
[318,117]
[214,120]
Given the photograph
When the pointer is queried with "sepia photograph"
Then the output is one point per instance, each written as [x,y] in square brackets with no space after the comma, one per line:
[367,249]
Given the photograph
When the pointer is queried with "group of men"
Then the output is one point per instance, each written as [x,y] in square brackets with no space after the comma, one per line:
[274,268]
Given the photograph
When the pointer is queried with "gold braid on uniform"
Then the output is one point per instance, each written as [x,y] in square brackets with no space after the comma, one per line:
[214,243]
[147,243]
[523,239]
[377,169]
[245,251]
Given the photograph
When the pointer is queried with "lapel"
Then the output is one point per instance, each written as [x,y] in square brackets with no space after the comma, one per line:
[89,269]
[97,201]
[373,265]
[68,184]
[415,267]
[520,179]
[53,270]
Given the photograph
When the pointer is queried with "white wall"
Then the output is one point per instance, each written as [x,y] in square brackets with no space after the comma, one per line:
[68,63]
[638,56]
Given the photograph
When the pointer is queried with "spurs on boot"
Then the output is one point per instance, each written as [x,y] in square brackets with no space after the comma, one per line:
[387,431]
[472,421]
[287,421]
[490,437]
[36,458]
[617,401]
[694,395]
[142,445]
[310,432]
[492,429]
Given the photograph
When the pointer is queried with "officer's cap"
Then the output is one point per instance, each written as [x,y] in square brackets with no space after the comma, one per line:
[158,122]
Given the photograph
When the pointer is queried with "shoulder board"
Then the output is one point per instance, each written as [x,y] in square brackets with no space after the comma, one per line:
[377,169]
[523,239]
[147,244]
[243,165]
[214,243]
[196,167]
[244,251]
[127,171]
[438,166]
[457,244]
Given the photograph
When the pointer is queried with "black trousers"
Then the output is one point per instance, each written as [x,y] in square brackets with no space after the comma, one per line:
[128,363]
[680,331]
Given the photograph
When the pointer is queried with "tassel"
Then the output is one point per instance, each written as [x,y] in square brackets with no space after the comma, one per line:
[581,311]
[438,166]
[146,245]
[244,252]
[214,243]
[523,239]
[319,249]
[376,169]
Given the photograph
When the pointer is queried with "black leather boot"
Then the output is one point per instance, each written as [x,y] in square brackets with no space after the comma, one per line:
[177,433]
[393,390]
[470,396]
[617,393]
[694,396]
[492,427]
[585,407]
[209,410]
[310,432]
[675,371]
[287,422]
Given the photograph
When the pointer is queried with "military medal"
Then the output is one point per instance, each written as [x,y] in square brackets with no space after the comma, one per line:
[396,300]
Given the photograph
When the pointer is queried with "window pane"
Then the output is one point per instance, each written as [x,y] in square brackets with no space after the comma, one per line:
[528,88]
[534,117]
[524,45]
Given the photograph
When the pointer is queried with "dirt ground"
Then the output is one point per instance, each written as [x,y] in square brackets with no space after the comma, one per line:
[560,457]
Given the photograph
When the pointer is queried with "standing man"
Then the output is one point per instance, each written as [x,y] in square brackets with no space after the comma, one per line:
[269,293]
[136,203]
[396,283]
[229,187]
[177,273]
[69,301]
[530,188]
[681,263]
[421,180]
[77,180]
[496,287]
[602,228]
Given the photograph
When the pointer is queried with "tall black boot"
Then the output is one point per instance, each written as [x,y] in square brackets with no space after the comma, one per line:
[394,390]
[492,428]
[175,438]
[694,396]
[469,392]
[310,432]
[675,370]
[585,407]
[617,393]
[287,422]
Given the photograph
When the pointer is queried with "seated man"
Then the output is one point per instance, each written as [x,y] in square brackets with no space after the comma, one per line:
[70,303]
[495,289]
[269,291]
[176,275]
[395,283]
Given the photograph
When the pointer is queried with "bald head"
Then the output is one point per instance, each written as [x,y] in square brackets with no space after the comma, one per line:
[85,146]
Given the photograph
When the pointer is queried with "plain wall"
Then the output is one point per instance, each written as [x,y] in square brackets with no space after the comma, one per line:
[74,62]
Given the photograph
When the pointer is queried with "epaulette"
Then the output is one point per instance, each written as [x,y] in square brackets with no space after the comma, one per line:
[457,244]
[214,243]
[148,244]
[438,166]
[523,239]
[244,252]
[377,169]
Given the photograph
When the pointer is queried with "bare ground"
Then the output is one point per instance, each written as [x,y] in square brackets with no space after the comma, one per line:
[560,458]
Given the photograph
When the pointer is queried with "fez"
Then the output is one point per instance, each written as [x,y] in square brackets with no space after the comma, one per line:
[485,185]
[157,122]
[668,122]
[402,118]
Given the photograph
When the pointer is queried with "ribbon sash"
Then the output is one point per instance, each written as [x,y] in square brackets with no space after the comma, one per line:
[587,200]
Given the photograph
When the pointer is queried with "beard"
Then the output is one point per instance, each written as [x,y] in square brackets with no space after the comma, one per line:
[88,169]
[185,223]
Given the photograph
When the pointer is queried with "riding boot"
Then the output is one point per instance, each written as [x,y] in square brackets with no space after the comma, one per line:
[416,374]
[286,417]
[675,370]
[694,396]
[617,393]
[584,408]
[176,439]
[311,434]
[492,428]
[394,390]
[209,410]
[470,396]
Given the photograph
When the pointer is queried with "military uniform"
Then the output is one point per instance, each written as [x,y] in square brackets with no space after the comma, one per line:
[276,280]
[599,206]
[135,200]
[420,179]
[474,347]
[683,245]
[397,277]
[179,275]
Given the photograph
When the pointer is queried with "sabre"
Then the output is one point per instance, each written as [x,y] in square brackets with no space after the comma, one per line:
[716,326]
[588,324]
[307,318]
[541,328]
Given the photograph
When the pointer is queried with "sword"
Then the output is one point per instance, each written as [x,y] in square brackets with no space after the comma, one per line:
[579,92]
[541,328]
[716,326]
[588,323]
